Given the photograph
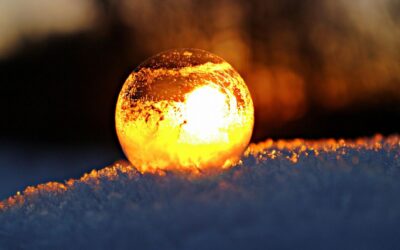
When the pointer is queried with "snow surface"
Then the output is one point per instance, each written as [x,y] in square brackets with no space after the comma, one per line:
[24,164]
[284,195]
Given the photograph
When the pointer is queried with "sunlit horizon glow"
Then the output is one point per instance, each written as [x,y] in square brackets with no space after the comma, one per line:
[184,110]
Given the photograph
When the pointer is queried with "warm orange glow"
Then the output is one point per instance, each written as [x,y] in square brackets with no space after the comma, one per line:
[184,110]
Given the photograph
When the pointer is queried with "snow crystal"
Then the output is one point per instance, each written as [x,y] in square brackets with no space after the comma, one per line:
[284,194]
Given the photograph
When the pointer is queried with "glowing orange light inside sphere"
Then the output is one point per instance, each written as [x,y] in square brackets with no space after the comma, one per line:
[184,109]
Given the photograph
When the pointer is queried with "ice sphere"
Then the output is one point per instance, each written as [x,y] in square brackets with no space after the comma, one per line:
[184,109]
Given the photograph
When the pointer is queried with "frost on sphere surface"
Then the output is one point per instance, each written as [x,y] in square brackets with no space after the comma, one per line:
[184,109]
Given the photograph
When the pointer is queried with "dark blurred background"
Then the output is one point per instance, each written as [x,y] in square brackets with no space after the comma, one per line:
[322,68]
